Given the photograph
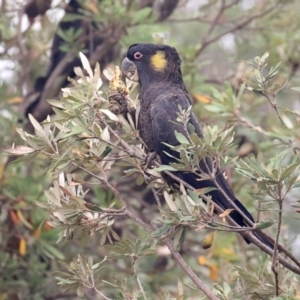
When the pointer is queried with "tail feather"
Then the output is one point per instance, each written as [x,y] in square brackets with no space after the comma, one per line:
[264,240]
[219,198]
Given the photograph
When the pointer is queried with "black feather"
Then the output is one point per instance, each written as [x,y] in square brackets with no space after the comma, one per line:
[161,95]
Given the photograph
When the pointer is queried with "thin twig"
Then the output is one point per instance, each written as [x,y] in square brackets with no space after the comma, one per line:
[207,42]
[61,296]
[97,291]
[248,123]
[133,262]
[23,50]
[207,291]
[176,255]
[274,105]
[249,235]
[267,94]
[156,197]
[275,263]
[214,22]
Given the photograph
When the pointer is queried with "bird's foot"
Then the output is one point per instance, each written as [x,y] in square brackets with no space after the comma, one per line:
[149,158]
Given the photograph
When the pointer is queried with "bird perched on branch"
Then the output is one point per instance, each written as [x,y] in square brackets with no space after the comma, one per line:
[97,39]
[63,60]
[162,93]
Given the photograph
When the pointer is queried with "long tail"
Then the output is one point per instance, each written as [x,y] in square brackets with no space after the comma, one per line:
[219,198]
[258,235]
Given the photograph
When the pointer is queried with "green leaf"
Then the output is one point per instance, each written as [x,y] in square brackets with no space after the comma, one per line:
[51,251]
[164,168]
[39,129]
[265,56]
[214,109]
[141,15]
[193,195]
[204,191]
[140,179]
[217,95]
[297,89]
[86,64]
[264,224]
[257,75]
[181,138]
[191,128]
[170,201]
[56,103]
[106,152]
[161,231]
[226,289]
[289,170]
[178,238]
[19,150]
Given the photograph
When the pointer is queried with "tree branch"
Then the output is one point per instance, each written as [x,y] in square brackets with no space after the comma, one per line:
[206,42]
[248,235]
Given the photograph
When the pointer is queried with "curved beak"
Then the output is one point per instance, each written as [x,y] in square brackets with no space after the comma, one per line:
[129,69]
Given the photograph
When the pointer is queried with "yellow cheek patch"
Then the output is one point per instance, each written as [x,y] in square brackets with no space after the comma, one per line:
[158,61]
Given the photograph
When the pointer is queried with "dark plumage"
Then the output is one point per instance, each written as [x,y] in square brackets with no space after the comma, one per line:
[98,40]
[87,39]
[35,8]
[162,90]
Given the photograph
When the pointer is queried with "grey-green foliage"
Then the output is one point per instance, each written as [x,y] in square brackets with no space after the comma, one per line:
[275,32]
[79,141]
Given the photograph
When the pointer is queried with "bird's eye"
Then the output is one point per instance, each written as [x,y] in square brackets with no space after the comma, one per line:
[138,55]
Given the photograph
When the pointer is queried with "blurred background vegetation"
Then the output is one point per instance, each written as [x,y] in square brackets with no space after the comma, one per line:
[39,45]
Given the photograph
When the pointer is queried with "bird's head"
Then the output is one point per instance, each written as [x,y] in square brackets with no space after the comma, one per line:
[146,63]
